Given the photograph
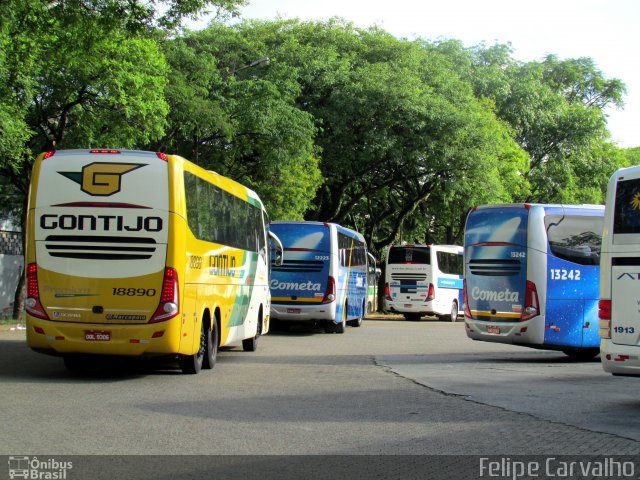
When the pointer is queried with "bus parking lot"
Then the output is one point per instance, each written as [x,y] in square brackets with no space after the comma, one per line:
[390,387]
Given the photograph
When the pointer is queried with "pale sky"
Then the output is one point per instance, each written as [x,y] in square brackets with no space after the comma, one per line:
[608,31]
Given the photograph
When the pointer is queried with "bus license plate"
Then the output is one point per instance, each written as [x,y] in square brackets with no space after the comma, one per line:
[493,329]
[97,336]
[293,310]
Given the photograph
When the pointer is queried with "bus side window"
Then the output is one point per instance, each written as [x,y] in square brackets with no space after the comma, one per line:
[576,239]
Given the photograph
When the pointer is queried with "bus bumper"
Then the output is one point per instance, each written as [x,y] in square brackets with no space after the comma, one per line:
[61,338]
[303,313]
[620,359]
[528,332]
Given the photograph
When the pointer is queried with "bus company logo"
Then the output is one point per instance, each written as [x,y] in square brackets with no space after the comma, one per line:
[306,286]
[33,468]
[635,201]
[629,276]
[495,296]
[101,179]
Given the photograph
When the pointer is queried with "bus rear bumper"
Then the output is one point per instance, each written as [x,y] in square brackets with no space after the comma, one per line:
[620,359]
[62,338]
[303,313]
[506,332]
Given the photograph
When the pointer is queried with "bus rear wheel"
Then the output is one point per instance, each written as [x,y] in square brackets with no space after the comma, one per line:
[453,316]
[212,348]
[192,364]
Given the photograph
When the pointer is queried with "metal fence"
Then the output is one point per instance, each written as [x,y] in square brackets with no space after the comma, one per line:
[10,243]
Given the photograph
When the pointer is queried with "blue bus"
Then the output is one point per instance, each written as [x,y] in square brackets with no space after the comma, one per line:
[532,276]
[323,278]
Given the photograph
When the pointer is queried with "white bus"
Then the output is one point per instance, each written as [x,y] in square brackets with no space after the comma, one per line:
[424,280]
[619,306]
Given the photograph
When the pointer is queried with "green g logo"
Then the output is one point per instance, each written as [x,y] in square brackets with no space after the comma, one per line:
[101,179]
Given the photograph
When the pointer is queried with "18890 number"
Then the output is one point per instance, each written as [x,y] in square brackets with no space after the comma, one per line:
[134,292]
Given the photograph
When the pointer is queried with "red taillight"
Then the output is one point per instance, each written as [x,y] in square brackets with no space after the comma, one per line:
[32,304]
[49,154]
[531,304]
[169,299]
[387,292]
[330,294]
[162,156]
[604,309]
[465,300]
[432,293]
[604,315]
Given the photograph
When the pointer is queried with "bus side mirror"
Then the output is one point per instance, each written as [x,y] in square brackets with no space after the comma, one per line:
[277,251]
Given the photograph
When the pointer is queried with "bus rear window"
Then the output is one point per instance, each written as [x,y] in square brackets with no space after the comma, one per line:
[497,226]
[406,254]
[575,238]
[626,217]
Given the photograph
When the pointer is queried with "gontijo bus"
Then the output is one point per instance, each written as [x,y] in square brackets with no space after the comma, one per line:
[139,253]
[619,310]
[532,274]
[324,276]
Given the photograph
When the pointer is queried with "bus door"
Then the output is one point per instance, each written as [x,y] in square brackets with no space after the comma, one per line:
[496,266]
[573,274]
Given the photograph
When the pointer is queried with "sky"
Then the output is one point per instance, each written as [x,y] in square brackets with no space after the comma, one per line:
[608,31]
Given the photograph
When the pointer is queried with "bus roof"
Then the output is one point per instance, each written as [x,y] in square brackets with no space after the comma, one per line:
[339,228]
[565,206]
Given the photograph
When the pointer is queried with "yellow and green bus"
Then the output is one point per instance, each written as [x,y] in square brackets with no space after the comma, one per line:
[139,253]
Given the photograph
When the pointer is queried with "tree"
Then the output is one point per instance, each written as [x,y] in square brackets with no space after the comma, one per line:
[81,73]
[242,122]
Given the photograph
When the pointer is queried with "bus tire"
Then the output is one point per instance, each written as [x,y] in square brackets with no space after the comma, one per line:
[211,351]
[341,327]
[453,316]
[192,364]
[251,344]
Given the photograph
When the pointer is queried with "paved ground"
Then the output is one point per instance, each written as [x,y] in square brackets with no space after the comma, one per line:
[390,387]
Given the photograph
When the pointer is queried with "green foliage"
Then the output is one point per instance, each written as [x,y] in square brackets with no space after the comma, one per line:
[396,138]
[242,122]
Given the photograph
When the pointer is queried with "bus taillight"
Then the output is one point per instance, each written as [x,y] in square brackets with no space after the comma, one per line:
[432,293]
[387,291]
[169,300]
[604,316]
[531,303]
[465,300]
[32,304]
[330,294]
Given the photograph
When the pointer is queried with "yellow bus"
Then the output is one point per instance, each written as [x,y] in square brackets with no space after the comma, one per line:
[139,253]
